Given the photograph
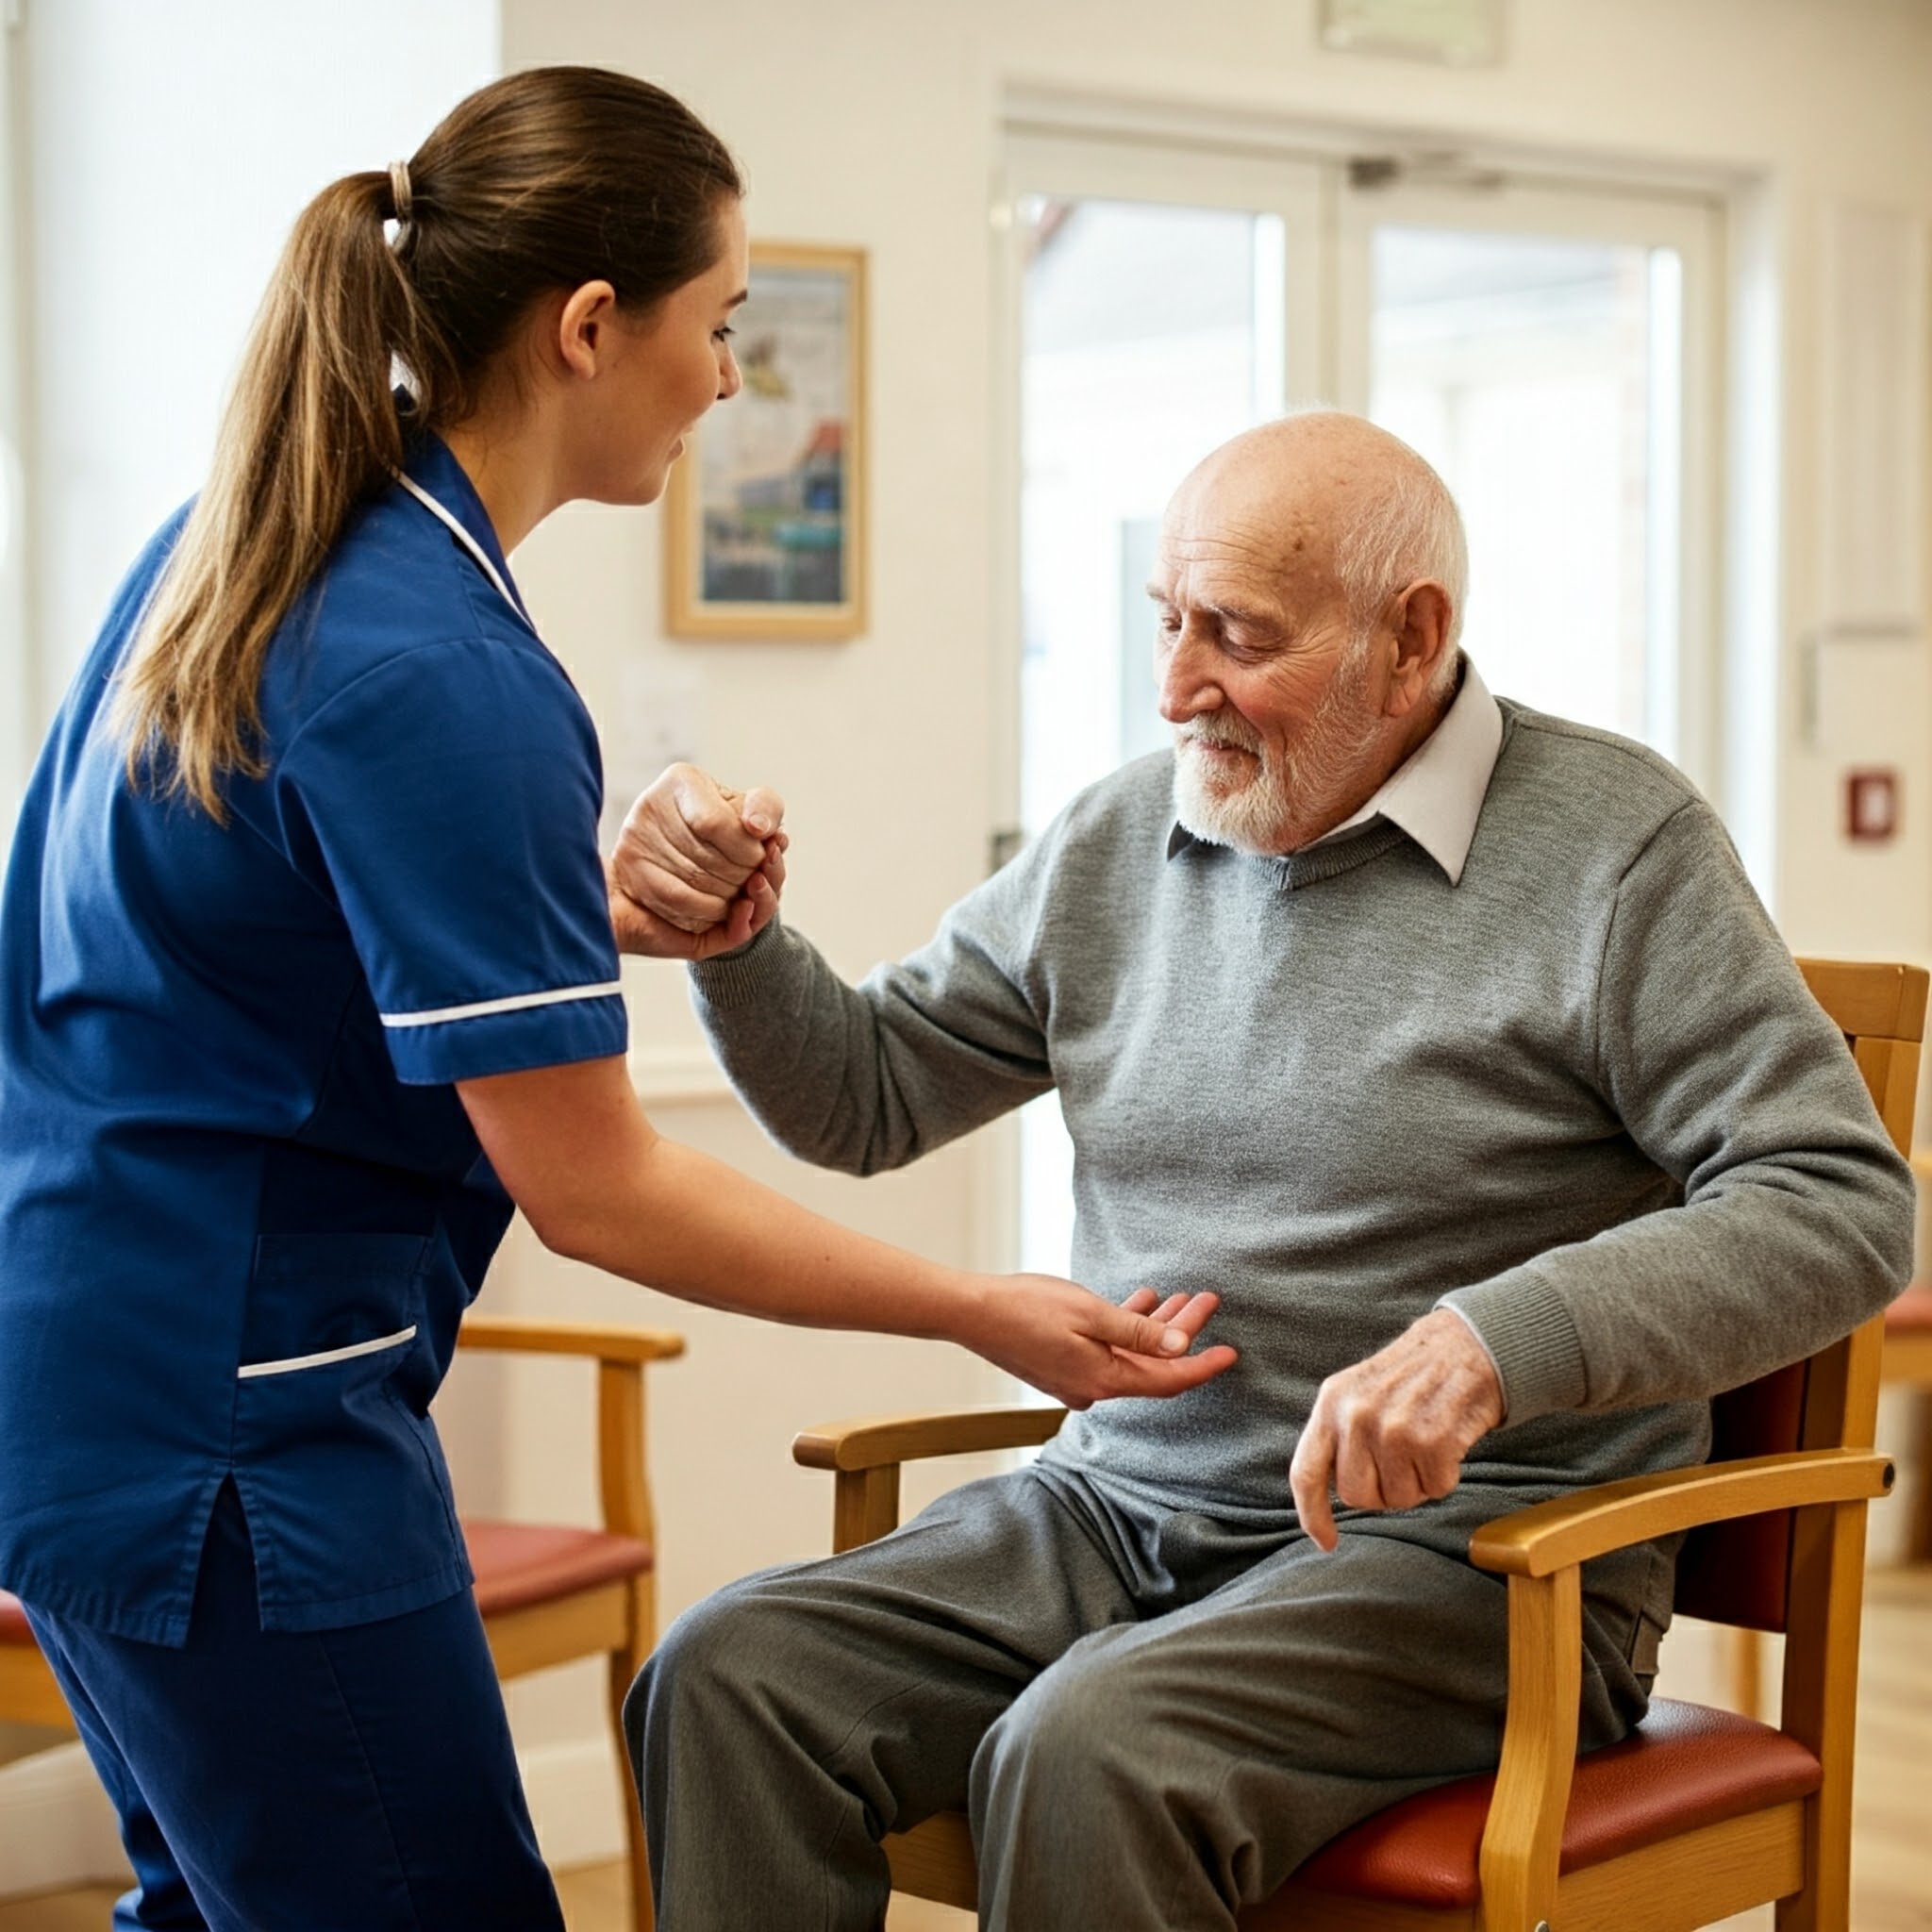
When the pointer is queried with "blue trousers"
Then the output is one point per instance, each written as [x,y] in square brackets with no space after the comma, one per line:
[357,1780]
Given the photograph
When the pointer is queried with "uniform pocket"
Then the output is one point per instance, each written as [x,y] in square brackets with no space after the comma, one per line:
[317,1299]
[347,1495]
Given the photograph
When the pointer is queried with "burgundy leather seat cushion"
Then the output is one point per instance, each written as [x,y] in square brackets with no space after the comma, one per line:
[1686,1766]
[13,1621]
[519,1564]
[1911,1314]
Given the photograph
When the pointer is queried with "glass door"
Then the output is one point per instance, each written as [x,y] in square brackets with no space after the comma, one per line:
[1154,297]
[1549,353]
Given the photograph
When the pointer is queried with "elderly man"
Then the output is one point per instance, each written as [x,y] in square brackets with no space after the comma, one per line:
[1448,1041]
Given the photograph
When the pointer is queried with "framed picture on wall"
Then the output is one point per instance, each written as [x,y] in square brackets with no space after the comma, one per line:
[765,514]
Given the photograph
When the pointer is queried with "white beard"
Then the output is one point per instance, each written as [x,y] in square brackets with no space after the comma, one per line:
[1289,792]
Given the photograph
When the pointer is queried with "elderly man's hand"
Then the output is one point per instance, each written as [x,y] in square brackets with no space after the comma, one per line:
[698,868]
[1391,1432]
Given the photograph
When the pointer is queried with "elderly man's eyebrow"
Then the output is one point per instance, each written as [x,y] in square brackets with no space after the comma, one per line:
[1253,615]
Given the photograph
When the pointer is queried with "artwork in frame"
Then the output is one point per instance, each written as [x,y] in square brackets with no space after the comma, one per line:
[765,512]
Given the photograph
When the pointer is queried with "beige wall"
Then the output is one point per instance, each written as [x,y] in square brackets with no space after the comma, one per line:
[875,122]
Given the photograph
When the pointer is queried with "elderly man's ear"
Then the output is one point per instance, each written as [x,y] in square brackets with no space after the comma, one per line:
[1419,634]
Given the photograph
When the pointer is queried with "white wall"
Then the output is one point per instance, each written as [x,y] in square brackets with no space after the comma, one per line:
[19,679]
[169,149]
[876,122]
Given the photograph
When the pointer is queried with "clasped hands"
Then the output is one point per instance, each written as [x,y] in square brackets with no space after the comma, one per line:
[698,869]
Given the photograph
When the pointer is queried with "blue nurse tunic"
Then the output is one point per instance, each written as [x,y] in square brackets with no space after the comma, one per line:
[241,1208]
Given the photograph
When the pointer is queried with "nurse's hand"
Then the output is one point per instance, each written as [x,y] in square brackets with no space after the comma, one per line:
[698,868]
[1066,1342]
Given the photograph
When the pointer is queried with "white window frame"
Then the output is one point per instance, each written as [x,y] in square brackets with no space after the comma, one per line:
[1685,721]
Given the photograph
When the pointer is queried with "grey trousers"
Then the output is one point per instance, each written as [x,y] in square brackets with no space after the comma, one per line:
[1152,1717]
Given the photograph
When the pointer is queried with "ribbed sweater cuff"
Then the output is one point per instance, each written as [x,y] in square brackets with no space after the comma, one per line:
[1528,1331]
[737,978]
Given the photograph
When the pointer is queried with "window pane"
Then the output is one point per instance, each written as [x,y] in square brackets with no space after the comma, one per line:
[1540,377]
[1150,334]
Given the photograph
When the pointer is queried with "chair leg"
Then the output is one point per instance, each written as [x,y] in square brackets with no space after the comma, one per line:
[1819,1907]
[1746,1660]
[1919,1531]
[624,1665]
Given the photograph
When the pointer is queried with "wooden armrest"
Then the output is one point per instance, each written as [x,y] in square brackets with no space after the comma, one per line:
[604,1342]
[1548,1537]
[881,1441]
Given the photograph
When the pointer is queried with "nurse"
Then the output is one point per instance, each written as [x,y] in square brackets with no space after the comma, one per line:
[309,975]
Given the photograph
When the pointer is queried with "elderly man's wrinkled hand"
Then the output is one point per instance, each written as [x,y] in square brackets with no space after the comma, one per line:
[1391,1432]
[698,868]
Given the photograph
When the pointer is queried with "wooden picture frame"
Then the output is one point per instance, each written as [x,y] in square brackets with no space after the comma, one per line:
[766,511]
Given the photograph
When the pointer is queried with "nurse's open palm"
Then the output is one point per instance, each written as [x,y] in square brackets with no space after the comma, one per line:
[698,868]
[1072,1345]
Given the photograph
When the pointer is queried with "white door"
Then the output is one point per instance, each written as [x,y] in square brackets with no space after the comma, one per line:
[1552,353]
[1163,304]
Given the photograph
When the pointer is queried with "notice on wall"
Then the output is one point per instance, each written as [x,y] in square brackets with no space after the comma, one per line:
[1461,33]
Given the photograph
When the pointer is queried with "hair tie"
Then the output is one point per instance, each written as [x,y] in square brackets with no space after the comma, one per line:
[399,190]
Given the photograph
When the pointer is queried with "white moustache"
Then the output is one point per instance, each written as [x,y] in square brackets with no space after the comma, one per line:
[1216,737]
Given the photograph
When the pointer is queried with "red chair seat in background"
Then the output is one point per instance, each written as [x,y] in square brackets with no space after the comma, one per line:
[519,1564]
[1911,1314]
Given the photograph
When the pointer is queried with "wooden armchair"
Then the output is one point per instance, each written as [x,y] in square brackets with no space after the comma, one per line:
[1699,1814]
[548,1594]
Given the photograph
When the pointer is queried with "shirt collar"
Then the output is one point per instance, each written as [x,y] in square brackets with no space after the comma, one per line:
[432,465]
[1436,795]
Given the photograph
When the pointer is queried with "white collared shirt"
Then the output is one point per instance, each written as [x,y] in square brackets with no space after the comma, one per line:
[1436,795]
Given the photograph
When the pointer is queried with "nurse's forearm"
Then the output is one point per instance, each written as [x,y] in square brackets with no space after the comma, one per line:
[598,1184]
[706,1232]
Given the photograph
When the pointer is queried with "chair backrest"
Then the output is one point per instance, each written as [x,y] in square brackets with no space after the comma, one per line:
[1740,1573]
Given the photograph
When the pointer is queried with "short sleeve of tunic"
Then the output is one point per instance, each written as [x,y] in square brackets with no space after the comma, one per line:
[447,799]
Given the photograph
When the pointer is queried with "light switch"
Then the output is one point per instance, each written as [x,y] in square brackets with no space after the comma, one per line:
[658,720]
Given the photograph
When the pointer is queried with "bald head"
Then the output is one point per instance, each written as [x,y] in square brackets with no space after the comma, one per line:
[1324,493]
[1309,582]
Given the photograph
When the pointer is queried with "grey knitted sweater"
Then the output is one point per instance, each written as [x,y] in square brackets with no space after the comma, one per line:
[1583,1095]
